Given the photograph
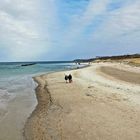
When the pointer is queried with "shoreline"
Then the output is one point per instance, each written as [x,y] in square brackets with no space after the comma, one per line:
[52,108]
[41,107]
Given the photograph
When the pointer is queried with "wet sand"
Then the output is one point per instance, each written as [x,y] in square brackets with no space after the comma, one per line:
[17,112]
[92,107]
[35,128]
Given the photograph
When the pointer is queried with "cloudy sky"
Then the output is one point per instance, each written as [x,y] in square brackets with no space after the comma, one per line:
[68,29]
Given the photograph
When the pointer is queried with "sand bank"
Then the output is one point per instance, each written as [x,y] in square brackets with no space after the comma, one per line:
[92,107]
[123,75]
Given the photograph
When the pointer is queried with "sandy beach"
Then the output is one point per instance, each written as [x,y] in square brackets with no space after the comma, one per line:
[102,103]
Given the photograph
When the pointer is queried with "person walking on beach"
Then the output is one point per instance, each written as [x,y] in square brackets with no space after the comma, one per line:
[66,78]
[70,78]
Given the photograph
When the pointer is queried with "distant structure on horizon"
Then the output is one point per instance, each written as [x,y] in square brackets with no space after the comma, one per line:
[116,57]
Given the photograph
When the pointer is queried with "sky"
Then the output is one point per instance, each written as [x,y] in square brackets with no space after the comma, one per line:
[44,30]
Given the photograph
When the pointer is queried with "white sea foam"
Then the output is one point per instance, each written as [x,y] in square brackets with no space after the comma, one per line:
[4,99]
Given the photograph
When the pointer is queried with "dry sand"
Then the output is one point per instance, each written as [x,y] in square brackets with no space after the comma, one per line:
[94,107]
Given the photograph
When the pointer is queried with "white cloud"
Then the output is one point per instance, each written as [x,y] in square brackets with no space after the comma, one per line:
[120,22]
[119,28]
[17,27]
[32,28]
[20,29]
[81,21]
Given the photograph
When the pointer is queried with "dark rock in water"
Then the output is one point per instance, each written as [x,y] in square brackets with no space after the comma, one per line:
[29,64]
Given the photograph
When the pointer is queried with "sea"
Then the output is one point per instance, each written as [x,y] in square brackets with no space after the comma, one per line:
[17,94]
